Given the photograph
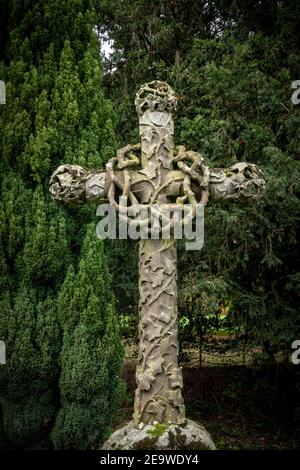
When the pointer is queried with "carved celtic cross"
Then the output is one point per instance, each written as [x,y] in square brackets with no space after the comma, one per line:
[155,173]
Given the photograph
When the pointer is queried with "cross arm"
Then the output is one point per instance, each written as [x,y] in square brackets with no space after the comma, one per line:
[73,185]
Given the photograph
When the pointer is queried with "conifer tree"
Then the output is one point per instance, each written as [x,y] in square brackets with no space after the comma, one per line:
[55,113]
[90,383]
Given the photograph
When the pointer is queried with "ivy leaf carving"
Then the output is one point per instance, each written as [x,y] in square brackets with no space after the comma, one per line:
[175,378]
[156,365]
[157,408]
[166,343]
[153,331]
[157,277]
[165,313]
[170,267]
[149,171]
[175,397]
[145,380]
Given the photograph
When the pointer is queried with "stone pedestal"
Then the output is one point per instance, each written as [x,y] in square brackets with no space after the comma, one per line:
[188,436]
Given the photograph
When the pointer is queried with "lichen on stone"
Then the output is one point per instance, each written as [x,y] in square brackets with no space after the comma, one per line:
[191,436]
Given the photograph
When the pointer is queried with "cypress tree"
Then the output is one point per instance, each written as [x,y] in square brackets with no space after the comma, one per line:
[91,355]
[55,113]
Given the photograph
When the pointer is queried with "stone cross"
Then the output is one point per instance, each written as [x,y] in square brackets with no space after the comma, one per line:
[154,172]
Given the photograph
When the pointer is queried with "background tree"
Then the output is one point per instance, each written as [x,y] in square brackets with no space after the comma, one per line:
[233,78]
[90,384]
[55,113]
[232,63]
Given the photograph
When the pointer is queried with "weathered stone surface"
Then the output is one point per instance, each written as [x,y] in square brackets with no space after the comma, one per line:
[155,173]
[189,436]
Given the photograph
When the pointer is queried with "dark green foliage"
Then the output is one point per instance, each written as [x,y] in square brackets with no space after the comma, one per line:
[55,113]
[233,79]
[232,64]
[123,264]
[90,384]
[28,380]
[242,110]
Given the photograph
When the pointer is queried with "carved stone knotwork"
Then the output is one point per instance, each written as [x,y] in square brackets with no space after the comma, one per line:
[67,184]
[72,185]
[155,174]
[155,96]
[240,182]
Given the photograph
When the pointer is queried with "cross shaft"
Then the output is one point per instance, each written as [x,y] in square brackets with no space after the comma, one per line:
[154,172]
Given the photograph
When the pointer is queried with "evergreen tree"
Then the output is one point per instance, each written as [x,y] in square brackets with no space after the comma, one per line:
[55,113]
[238,60]
[239,108]
[91,355]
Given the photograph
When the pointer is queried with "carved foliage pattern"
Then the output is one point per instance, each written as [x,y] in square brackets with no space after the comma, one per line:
[159,379]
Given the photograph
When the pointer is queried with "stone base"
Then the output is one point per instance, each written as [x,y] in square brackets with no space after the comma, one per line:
[188,436]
